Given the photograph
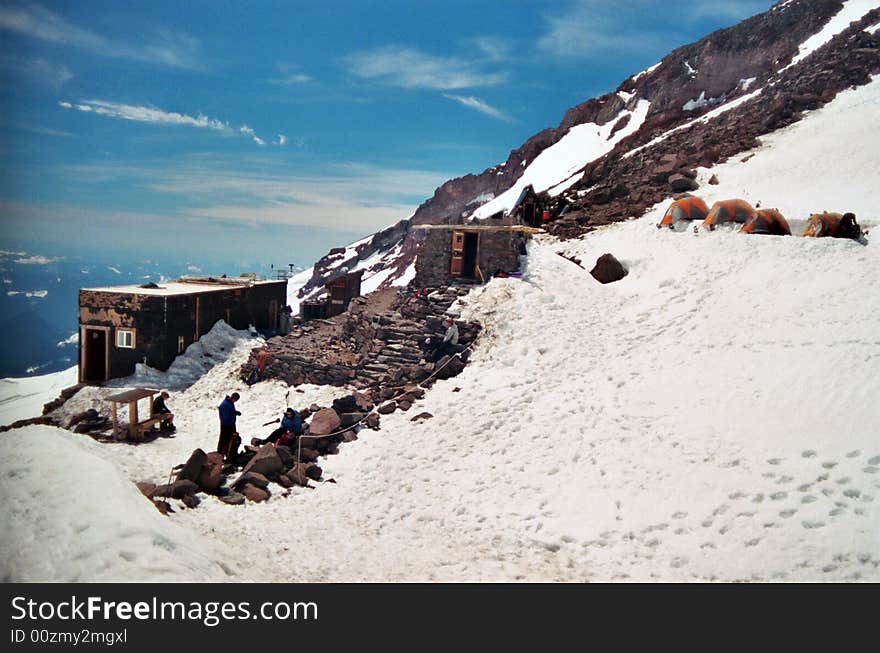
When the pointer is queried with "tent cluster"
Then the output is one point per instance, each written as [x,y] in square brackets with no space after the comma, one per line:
[688,210]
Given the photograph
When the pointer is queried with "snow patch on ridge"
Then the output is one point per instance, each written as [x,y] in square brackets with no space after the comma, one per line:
[582,144]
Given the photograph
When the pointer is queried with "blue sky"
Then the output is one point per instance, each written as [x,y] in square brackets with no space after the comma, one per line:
[280,129]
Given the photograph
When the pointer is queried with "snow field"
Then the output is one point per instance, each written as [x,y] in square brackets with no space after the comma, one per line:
[71,516]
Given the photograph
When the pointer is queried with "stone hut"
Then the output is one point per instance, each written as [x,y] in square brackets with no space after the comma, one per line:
[475,253]
[120,326]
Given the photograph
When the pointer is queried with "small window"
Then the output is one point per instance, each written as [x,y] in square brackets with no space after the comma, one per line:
[125,338]
[180,344]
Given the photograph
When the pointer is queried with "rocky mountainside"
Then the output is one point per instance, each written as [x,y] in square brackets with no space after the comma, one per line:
[708,101]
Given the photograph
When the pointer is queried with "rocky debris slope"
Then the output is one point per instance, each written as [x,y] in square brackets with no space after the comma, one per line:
[377,344]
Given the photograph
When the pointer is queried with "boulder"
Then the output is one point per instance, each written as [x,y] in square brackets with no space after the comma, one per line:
[680,183]
[608,269]
[176,490]
[324,421]
[287,456]
[363,402]
[233,499]
[255,494]
[404,404]
[146,488]
[372,421]
[266,461]
[301,473]
[350,419]
[211,476]
[251,478]
[191,501]
[387,409]
[193,467]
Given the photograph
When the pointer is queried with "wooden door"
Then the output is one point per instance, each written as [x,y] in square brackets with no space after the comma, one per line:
[457,253]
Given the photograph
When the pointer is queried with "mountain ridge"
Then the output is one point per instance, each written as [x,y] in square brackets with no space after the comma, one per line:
[692,82]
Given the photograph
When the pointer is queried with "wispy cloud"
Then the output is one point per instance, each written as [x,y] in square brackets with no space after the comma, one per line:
[479,105]
[410,68]
[36,259]
[494,48]
[587,27]
[254,191]
[725,9]
[42,71]
[167,47]
[139,113]
[290,75]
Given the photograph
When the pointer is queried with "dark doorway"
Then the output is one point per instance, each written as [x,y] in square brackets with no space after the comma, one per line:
[471,247]
[530,213]
[94,356]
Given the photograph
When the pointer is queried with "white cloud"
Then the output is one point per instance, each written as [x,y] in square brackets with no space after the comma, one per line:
[36,259]
[193,268]
[4,252]
[152,115]
[409,68]
[282,140]
[38,294]
[146,114]
[168,47]
[478,105]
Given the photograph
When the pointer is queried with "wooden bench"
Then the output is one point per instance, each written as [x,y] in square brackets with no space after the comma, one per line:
[140,429]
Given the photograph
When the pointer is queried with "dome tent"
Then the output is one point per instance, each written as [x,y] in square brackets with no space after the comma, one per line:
[833,225]
[767,221]
[684,210]
[725,211]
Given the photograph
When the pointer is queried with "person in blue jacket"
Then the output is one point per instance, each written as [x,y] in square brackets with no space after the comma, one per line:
[291,426]
[228,413]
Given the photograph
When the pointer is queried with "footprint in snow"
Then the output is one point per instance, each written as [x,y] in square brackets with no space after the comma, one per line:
[809,453]
[874,461]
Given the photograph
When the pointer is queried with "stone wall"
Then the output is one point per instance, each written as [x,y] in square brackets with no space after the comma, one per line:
[499,251]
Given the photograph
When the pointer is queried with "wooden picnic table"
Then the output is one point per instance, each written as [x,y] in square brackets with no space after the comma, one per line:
[135,428]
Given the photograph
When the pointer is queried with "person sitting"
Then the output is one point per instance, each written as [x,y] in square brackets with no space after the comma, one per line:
[291,427]
[161,410]
[448,345]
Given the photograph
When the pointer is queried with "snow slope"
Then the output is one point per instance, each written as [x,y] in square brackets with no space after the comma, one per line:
[712,416]
[69,515]
[24,397]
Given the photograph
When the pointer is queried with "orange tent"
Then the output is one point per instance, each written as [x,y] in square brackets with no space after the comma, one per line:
[833,225]
[686,208]
[728,211]
[767,221]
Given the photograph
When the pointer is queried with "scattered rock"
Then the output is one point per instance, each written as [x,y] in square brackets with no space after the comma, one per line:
[146,488]
[713,180]
[255,494]
[680,183]
[266,461]
[251,478]
[387,409]
[191,501]
[193,467]
[233,499]
[421,416]
[176,490]
[372,421]
[324,421]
